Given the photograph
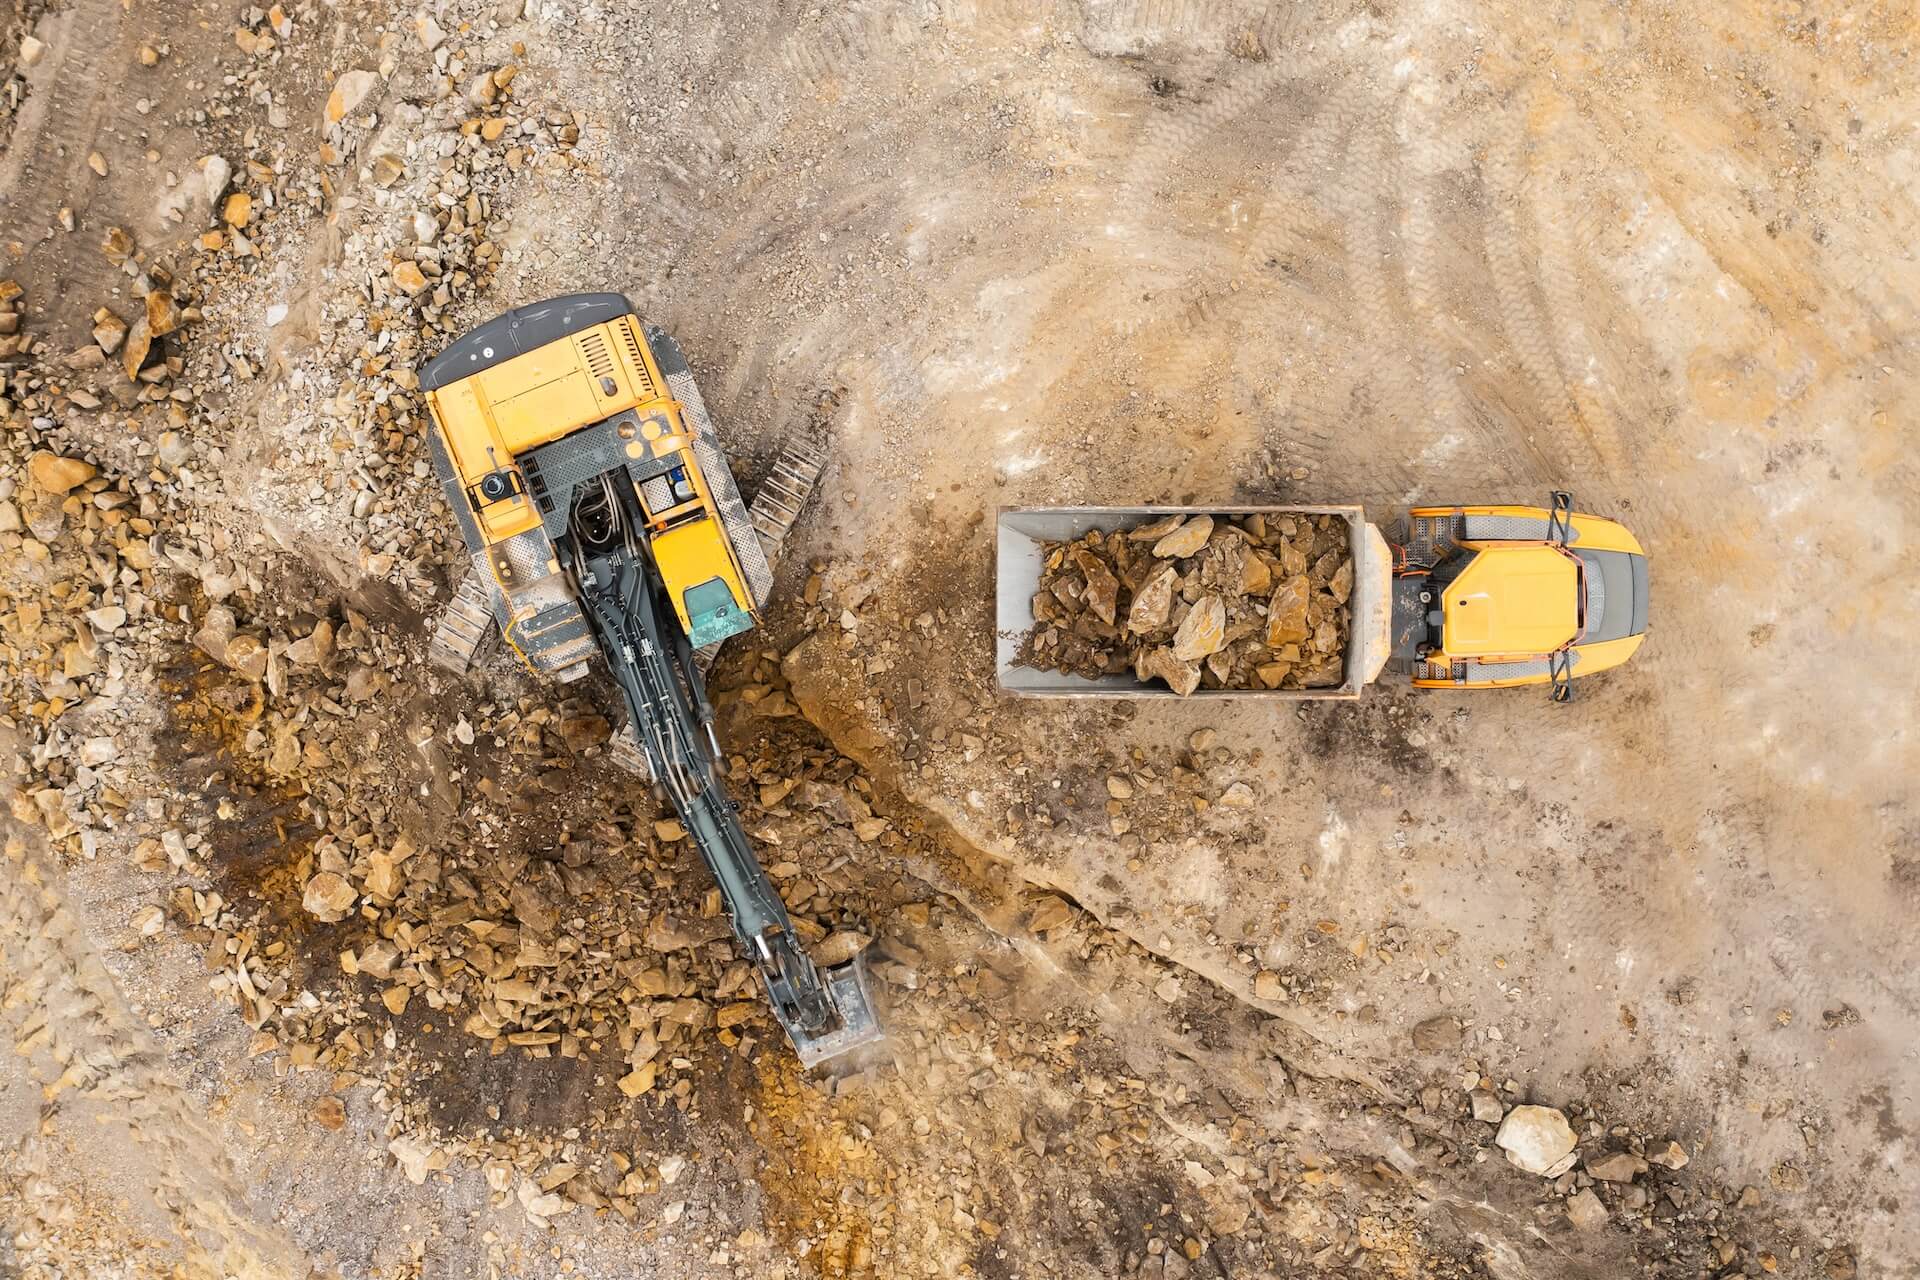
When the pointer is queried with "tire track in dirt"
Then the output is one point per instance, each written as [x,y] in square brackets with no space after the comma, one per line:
[1512,264]
[56,127]
[1214,323]
[58,999]
[1565,232]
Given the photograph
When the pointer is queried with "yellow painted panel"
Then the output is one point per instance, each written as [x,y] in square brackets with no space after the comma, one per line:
[466,428]
[693,553]
[548,411]
[1517,600]
[1607,653]
[507,517]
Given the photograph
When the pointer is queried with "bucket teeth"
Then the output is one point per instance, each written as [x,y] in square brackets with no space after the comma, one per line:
[464,628]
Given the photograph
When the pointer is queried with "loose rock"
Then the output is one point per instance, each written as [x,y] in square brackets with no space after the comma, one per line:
[1536,1140]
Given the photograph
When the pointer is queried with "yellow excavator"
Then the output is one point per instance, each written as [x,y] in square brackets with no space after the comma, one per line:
[589,485]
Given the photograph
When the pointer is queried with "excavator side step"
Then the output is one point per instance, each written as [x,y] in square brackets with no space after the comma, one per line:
[465,626]
[1431,537]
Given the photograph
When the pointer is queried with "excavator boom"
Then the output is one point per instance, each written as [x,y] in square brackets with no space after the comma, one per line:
[824,1012]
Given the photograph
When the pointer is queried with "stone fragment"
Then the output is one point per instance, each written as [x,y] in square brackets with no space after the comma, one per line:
[1049,911]
[416,1157]
[1185,540]
[640,1080]
[215,173]
[1103,589]
[1536,1139]
[109,331]
[1202,631]
[1153,601]
[396,998]
[1671,1156]
[163,313]
[1439,1034]
[1119,786]
[330,1113]
[349,91]
[52,473]
[1256,576]
[1287,612]
[533,910]
[1237,796]
[246,655]
[1157,529]
[1616,1166]
[429,33]
[410,279]
[32,50]
[541,1206]
[1585,1211]
[328,897]
[1487,1107]
[1160,664]
[1272,674]
[238,210]
[1268,986]
[839,947]
[133,357]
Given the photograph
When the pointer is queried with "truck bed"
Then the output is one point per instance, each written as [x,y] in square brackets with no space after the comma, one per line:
[1021,537]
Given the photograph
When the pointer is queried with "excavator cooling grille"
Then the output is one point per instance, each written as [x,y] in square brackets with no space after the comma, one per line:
[642,384]
[599,359]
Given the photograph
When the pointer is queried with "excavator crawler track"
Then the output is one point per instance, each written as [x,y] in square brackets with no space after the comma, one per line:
[465,627]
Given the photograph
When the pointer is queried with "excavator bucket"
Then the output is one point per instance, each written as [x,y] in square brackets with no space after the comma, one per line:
[847,992]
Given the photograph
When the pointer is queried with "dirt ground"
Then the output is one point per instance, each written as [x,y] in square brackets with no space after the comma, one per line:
[1001,253]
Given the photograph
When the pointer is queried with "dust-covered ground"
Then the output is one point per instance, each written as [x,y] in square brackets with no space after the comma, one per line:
[319,961]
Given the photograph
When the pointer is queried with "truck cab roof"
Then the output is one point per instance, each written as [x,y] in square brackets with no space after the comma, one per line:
[1512,600]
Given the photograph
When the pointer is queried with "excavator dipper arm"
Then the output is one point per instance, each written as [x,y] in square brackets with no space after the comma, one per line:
[824,1012]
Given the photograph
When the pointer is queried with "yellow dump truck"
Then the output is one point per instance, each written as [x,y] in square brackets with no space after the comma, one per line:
[1466,597]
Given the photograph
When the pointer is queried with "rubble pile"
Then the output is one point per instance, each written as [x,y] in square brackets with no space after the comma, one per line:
[1250,602]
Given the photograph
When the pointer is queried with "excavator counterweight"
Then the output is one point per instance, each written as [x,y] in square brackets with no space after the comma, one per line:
[601,518]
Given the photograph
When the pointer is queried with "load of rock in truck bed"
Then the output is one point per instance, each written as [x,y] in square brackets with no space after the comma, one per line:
[1252,602]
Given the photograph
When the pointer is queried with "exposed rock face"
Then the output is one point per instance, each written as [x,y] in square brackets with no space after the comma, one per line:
[1226,603]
